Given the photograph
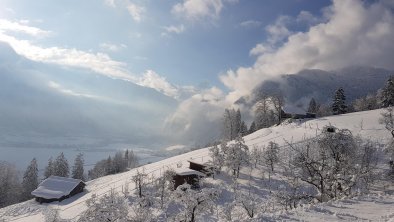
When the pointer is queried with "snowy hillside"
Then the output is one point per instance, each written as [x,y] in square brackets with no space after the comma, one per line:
[377,206]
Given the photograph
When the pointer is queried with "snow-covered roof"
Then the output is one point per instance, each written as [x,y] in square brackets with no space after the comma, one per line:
[55,187]
[187,171]
[199,161]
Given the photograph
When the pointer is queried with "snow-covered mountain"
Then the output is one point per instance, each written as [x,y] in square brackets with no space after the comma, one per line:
[43,105]
[299,88]
[376,206]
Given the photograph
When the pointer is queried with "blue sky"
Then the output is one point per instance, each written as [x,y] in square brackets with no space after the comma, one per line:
[205,54]
[205,45]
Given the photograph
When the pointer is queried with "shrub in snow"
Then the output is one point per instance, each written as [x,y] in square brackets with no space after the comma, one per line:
[110,207]
[193,203]
[334,163]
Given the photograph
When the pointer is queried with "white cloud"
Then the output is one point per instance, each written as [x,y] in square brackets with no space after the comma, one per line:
[98,62]
[70,92]
[278,31]
[250,24]
[197,118]
[110,3]
[198,9]
[173,29]
[153,80]
[135,11]
[9,26]
[308,18]
[112,47]
[353,33]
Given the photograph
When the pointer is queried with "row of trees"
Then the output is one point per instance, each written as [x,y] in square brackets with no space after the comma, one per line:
[119,163]
[233,125]
[14,190]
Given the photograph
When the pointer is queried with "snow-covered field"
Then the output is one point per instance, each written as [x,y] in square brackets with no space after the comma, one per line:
[377,206]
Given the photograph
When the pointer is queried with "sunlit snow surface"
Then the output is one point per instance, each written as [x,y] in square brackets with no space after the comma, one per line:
[377,206]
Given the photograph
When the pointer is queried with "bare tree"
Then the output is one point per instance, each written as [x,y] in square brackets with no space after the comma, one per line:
[271,155]
[194,202]
[333,163]
[140,182]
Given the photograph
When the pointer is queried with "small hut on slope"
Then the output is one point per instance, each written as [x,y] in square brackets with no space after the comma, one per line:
[56,188]
[186,175]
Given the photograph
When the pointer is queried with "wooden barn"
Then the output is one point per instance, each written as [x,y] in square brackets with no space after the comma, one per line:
[202,167]
[186,175]
[56,188]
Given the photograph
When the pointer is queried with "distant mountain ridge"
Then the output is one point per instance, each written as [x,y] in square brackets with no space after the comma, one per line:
[299,88]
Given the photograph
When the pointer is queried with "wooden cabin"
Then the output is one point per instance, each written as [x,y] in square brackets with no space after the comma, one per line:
[186,175]
[56,188]
[201,167]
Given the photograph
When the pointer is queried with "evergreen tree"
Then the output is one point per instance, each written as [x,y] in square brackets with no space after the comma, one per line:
[238,124]
[339,102]
[49,169]
[61,168]
[232,124]
[30,180]
[313,107]
[387,93]
[244,129]
[78,171]
[10,186]
[252,127]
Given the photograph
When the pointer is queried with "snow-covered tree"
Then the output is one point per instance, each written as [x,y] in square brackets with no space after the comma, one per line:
[194,203]
[118,162]
[217,156]
[110,207]
[368,102]
[235,155]
[140,182]
[334,163]
[244,129]
[131,159]
[313,107]
[256,156]
[387,119]
[231,124]
[10,187]
[271,155]
[99,169]
[60,166]
[339,102]
[49,169]
[78,170]
[278,102]
[387,93]
[30,180]
[164,186]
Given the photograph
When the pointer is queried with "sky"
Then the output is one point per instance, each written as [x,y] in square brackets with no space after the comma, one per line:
[204,53]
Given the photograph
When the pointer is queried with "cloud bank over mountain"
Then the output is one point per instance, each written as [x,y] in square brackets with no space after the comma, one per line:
[352,32]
